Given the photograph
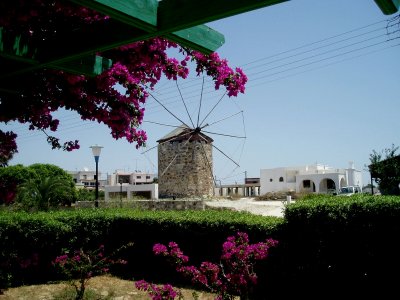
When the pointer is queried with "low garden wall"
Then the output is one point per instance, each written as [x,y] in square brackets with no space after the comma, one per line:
[168,204]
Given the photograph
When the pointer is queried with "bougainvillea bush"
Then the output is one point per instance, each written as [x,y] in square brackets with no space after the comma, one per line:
[233,276]
[81,265]
[136,68]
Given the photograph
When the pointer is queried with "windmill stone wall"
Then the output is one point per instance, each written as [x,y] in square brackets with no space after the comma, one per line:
[185,165]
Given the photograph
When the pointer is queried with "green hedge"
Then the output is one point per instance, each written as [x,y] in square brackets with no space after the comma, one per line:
[199,233]
[336,245]
[342,245]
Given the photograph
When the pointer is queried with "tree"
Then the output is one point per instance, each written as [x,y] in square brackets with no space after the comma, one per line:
[8,147]
[67,194]
[136,68]
[43,193]
[385,169]
[12,177]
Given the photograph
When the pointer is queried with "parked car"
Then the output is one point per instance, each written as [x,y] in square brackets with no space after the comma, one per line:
[332,192]
[349,190]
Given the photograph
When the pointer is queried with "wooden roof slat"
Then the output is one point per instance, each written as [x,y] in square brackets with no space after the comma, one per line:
[388,7]
[191,37]
[75,45]
[175,15]
[141,14]
[130,21]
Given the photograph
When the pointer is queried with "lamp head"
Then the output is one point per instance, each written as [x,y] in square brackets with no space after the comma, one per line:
[96,150]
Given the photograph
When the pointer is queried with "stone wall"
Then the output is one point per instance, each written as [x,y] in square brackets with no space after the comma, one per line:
[169,204]
[185,169]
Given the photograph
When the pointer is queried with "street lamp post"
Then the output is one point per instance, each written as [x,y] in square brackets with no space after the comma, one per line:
[96,150]
[120,193]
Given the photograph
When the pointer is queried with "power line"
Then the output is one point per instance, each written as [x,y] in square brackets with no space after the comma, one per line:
[325,46]
[316,61]
[317,42]
[321,67]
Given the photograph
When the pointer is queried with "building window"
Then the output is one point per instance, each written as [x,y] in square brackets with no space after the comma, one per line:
[138,177]
[281,179]
[270,180]
[306,183]
[147,177]
[123,178]
[84,177]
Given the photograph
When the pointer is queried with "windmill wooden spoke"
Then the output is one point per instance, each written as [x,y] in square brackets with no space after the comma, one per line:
[176,155]
[231,116]
[144,152]
[233,136]
[149,160]
[191,121]
[162,124]
[201,98]
[222,152]
[168,110]
[212,109]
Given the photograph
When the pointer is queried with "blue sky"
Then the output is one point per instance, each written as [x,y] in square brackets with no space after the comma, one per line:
[324,86]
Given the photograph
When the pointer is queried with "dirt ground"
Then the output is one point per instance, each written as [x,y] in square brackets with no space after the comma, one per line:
[99,288]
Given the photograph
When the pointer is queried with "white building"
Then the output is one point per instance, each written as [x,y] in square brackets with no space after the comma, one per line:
[128,191]
[132,178]
[309,179]
[87,179]
[127,184]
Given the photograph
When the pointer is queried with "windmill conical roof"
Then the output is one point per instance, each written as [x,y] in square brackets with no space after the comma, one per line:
[182,132]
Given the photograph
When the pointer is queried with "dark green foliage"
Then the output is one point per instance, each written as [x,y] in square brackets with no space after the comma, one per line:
[344,245]
[85,195]
[36,181]
[43,194]
[27,243]
[385,170]
[10,178]
[65,193]
[200,233]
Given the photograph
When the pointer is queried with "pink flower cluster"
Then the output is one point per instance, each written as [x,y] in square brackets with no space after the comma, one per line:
[116,97]
[163,292]
[80,266]
[8,147]
[85,264]
[218,69]
[234,275]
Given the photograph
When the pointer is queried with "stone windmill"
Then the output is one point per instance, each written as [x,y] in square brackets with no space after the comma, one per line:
[185,155]
[185,164]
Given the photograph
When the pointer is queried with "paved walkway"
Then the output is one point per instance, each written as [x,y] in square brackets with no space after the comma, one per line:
[264,208]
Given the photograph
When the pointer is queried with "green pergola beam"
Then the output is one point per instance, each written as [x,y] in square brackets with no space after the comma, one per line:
[89,65]
[130,21]
[191,37]
[69,50]
[177,14]
[137,13]
[388,7]
[142,14]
